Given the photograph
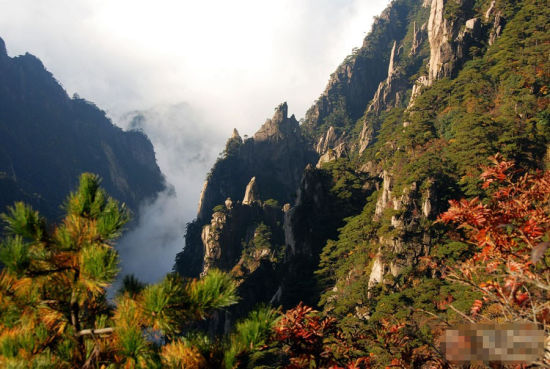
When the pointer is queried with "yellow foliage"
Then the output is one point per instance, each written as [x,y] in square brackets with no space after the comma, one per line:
[52,319]
[22,287]
[82,231]
[128,313]
[177,355]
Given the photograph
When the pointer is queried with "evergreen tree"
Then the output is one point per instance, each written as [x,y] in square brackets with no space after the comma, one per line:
[53,307]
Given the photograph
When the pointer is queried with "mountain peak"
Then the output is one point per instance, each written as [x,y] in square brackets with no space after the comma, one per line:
[236,134]
[3,51]
[281,112]
[278,127]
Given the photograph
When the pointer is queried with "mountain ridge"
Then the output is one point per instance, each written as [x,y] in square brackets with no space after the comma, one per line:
[48,139]
[393,134]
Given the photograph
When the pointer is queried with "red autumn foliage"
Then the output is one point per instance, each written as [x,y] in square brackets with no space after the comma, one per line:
[311,340]
[510,233]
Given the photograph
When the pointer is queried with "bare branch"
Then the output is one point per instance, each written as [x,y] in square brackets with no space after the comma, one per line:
[461,314]
[99,331]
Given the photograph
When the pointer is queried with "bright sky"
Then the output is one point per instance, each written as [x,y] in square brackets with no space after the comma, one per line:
[234,60]
[197,68]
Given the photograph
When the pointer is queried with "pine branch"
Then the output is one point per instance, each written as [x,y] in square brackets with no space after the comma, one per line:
[93,332]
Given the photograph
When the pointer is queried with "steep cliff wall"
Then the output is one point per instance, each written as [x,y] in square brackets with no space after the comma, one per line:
[352,86]
[430,150]
[278,145]
[48,139]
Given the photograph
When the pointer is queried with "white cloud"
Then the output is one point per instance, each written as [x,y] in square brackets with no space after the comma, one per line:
[233,59]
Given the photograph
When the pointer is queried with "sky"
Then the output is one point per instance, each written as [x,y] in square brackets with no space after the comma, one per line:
[194,70]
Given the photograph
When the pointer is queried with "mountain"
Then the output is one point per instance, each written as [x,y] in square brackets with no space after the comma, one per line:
[403,126]
[278,145]
[48,139]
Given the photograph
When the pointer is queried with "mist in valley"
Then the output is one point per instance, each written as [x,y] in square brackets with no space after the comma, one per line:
[186,73]
[186,146]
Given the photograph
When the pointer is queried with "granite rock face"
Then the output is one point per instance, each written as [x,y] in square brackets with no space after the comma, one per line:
[251,194]
[278,145]
[247,240]
[353,85]
[415,45]
[439,35]
[267,166]
[332,146]
[449,40]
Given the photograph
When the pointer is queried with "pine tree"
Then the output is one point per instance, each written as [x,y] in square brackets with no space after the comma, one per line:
[53,307]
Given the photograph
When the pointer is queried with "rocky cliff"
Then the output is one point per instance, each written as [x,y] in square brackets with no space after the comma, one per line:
[352,86]
[402,126]
[428,148]
[278,145]
[48,139]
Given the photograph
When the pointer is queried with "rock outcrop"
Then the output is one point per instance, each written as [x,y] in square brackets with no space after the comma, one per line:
[335,213]
[331,146]
[406,240]
[278,144]
[439,35]
[450,40]
[245,239]
[418,38]
[388,93]
[210,237]
[496,30]
[329,140]
[251,193]
[354,83]
[420,83]
[278,128]
[377,271]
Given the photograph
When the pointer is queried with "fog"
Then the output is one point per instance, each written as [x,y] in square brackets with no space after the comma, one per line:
[186,146]
[193,70]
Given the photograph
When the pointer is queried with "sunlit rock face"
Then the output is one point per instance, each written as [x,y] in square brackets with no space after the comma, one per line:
[267,166]
[251,194]
[450,40]
[357,132]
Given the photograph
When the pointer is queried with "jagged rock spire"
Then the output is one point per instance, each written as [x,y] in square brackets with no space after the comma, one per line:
[251,193]
[391,69]
[236,134]
[418,37]
[278,127]
[385,88]
[281,111]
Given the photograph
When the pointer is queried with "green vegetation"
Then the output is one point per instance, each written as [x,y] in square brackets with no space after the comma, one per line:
[347,98]
[272,203]
[53,307]
[350,223]
[497,102]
